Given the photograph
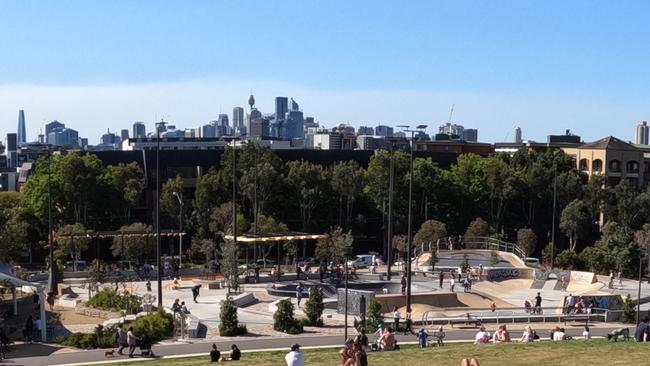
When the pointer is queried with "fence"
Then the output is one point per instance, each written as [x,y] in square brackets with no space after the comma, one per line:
[471,242]
[514,315]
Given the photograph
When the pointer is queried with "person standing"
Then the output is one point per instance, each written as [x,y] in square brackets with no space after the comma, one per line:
[538,304]
[131,339]
[121,340]
[321,272]
[396,316]
[28,332]
[570,303]
[442,278]
[409,322]
[619,276]
[195,292]
[403,284]
[452,283]
[295,357]
[257,273]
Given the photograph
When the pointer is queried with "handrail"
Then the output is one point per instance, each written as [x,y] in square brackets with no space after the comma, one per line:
[475,242]
[471,316]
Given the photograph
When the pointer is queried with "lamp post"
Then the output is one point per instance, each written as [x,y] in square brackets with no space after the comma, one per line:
[159,125]
[391,178]
[179,196]
[345,329]
[409,244]
[50,239]
[638,295]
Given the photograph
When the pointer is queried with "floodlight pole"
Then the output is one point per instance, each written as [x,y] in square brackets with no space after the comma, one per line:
[389,247]
[180,228]
[638,296]
[158,125]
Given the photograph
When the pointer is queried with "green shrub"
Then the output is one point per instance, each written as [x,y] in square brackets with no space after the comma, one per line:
[374,317]
[100,338]
[283,320]
[109,299]
[314,308]
[229,325]
[154,327]
[629,310]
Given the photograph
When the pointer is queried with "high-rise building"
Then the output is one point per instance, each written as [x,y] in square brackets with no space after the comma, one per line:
[12,150]
[124,134]
[518,135]
[458,131]
[21,134]
[384,131]
[641,136]
[139,130]
[110,138]
[49,127]
[238,118]
[221,125]
[281,108]
[65,137]
[255,113]
[208,130]
[363,130]
[294,125]
[259,127]
[293,106]
[470,135]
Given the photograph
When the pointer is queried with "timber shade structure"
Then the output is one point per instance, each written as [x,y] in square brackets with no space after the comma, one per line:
[274,238]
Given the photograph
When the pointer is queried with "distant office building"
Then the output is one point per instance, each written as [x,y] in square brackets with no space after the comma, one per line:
[208,130]
[259,127]
[384,131]
[363,130]
[255,114]
[83,142]
[641,136]
[139,130]
[21,135]
[294,124]
[238,118]
[64,137]
[281,107]
[124,134]
[222,126]
[293,106]
[518,135]
[174,143]
[458,132]
[310,122]
[110,138]
[470,135]
[49,127]
[12,150]
[400,134]
[328,141]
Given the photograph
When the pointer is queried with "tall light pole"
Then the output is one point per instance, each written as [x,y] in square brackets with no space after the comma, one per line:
[159,125]
[638,295]
[179,196]
[409,244]
[50,238]
[554,210]
[391,178]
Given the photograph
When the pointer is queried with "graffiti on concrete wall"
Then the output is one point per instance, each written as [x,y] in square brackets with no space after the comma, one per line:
[502,274]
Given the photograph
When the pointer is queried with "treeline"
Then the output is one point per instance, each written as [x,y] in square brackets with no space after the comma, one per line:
[510,198]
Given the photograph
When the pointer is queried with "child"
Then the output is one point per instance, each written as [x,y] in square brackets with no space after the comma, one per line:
[422,338]
[439,335]
[586,334]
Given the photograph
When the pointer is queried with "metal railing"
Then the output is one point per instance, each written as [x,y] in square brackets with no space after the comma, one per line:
[478,316]
[470,242]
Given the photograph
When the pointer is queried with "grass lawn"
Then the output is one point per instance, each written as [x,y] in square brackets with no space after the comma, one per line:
[576,352]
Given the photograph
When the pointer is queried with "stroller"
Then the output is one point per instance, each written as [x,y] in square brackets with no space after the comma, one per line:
[145,348]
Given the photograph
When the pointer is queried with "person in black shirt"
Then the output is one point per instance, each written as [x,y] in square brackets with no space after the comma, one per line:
[538,304]
[235,353]
[215,355]
[641,333]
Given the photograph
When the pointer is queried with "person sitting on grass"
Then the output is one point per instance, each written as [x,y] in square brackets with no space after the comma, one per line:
[586,334]
[215,355]
[235,353]
[359,356]
[559,334]
[389,342]
[346,352]
[527,336]
[482,337]
[501,335]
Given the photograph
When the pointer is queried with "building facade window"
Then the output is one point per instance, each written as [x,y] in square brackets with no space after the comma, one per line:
[615,166]
[597,165]
[584,165]
[632,166]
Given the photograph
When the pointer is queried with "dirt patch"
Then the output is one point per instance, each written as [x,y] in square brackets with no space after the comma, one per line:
[70,317]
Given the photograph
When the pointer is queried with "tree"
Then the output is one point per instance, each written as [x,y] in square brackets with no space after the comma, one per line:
[568,259]
[642,240]
[206,247]
[283,320]
[574,221]
[548,252]
[478,228]
[72,240]
[314,307]
[221,220]
[347,180]
[229,325]
[430,232]
[629,310]
[400,243]
[134,242]
[336,245]
[268,224]
[307,181]
[375,317]
[526,240]
[378,181]
[128,182]
[593,257]
[230,264]
[169,204]
[15,227]
[209,193]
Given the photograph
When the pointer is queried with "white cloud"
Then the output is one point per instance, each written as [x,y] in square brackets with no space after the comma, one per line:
[92,109]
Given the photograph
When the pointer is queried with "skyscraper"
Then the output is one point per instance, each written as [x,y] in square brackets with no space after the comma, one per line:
[384,131]
[238,118]
[124,134]
[12,155]
[518,135]
[281,108]
[139,130]
[641,136]
[22,135]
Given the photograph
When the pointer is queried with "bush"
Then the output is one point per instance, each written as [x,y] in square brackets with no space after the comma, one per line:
[568,259]
[229,325]
[283,320]
[100,338]
[314,308]
[109,299]
[374,316]
[154,327]
[629,310]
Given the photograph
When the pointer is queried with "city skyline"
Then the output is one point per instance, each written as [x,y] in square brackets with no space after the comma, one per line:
[503,64]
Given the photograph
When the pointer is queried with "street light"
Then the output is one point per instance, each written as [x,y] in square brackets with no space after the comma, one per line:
[389,246]
[419,128]
[180,227]
[50,239]
[159,125]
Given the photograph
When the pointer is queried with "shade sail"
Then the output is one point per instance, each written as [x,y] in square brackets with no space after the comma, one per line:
[274,237]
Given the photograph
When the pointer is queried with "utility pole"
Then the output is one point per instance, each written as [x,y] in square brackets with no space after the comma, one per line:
[554,210]
[391,174]
[159,125]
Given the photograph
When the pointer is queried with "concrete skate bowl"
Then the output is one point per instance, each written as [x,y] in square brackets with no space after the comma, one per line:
[330,290]
[438,304]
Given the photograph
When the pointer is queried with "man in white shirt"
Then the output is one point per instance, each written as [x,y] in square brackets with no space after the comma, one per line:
[559,335]
[295,357]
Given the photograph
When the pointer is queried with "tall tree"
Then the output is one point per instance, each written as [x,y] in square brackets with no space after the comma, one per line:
[72,240]
[430,232]
[128,182]
[336,245]
[169,204]
[135,242]
[575,221]
[347,180]
[210,192]
[478,228]
[526,240]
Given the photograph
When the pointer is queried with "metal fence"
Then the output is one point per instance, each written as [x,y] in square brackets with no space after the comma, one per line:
[470,242]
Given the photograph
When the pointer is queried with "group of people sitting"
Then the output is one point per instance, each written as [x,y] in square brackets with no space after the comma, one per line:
[500,336]
[353,352]
[234,355]
[386,339]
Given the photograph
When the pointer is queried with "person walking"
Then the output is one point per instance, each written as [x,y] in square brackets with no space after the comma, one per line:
[442,278]
[403,284]
[396,316]
[538,304]
[131,339]
[195,292]
[619,276]
[452,283]
[409,322]
[299,289]
[257,273]
[121,340]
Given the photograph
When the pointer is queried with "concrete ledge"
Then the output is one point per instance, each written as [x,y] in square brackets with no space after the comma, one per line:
[244,299]
[193,324]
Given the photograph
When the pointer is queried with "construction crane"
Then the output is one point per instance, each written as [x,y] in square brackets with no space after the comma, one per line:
[451,113]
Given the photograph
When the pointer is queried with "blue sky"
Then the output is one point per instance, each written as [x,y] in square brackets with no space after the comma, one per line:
[541,65]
